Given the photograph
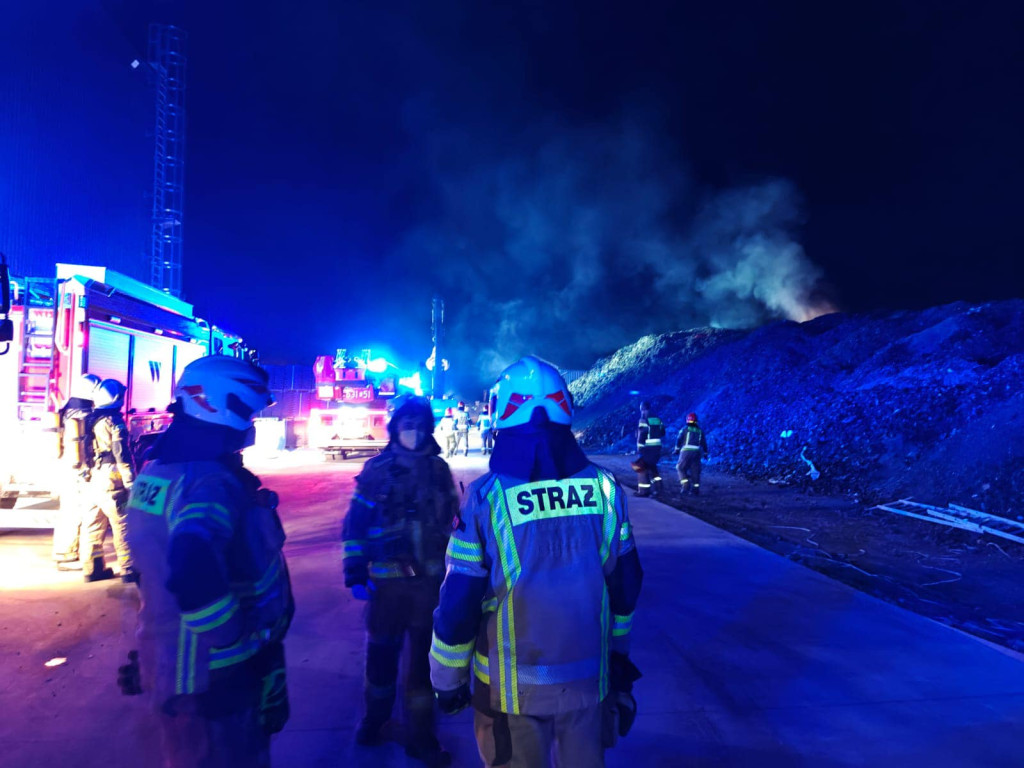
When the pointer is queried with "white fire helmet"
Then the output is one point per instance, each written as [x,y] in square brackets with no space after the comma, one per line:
[84,386]
[110,395]
[223,390]
[526,385]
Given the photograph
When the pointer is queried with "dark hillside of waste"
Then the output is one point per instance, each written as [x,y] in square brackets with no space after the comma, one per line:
[925,404]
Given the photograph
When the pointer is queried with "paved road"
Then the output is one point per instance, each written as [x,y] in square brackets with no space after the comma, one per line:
[748,659]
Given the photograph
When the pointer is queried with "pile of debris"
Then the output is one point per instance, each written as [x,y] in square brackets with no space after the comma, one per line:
[928,404]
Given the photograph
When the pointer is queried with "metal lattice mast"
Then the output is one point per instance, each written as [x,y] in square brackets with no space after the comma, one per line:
[437,331]
[167,61]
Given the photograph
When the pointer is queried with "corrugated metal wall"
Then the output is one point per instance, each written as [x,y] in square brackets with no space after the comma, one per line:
[76,147]
[294,389]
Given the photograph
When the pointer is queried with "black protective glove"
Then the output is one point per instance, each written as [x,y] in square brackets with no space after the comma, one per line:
[453,702]
[622,674]
[128,677]
[267,498]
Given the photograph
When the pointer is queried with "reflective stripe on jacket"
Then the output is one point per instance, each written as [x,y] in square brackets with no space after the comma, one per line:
[692,439]
[203,614]
[399,517]
[550,552]
[643,435]
[110,444]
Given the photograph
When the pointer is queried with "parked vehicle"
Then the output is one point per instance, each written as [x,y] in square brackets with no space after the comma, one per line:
[87,320]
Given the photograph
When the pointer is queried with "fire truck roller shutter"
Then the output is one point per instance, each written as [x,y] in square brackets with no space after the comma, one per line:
[108,353]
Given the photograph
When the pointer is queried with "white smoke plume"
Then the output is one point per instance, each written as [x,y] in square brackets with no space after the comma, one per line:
[579,244]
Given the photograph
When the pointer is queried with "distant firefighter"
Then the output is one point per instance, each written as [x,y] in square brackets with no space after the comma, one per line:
[691,447]
[649,432]
[486,426]
[110,483]
[446,431]
[462,425]
[75,443]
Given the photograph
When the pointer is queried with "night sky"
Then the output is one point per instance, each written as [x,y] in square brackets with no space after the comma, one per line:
[569,176]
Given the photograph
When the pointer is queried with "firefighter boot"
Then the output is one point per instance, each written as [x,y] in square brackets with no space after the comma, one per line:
[428,751]
[368,733]
[378,712]
[98,571]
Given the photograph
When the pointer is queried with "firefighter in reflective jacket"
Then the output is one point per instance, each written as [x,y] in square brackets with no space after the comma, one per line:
[110,482]
[394,538]
[446,431]
[691,447]
[649,432]
[73,426]
[486,426]
[462,425]
[216,599]
[546,532]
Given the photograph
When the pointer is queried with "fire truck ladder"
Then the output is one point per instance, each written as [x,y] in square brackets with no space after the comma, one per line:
[956,516]
[37,347]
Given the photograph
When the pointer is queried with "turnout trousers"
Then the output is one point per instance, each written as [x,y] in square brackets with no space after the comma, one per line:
[216,729]
[108,508]
[401,607]
[648,482]
[74,504]
[573,739]
[688,470]
[492,738]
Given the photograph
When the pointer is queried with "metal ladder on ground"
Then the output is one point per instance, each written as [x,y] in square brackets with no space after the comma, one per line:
[956,516]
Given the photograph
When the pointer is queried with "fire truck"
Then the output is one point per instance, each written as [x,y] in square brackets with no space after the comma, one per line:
[354,416]
[87,320]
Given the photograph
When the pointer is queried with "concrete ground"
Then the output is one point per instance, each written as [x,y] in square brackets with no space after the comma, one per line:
[748,658]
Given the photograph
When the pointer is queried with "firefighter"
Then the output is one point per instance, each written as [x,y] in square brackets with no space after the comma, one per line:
[649,432]
[110,481]
[216,598]
[462,425]
[73,425]
[547,534]
[394,539]
[486,426]
[691,446]
[446,428]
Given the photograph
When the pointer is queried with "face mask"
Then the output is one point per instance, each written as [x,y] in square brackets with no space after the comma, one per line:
[249,438]
[409,439]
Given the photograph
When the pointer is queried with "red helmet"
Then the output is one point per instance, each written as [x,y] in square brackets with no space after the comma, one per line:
[691,418]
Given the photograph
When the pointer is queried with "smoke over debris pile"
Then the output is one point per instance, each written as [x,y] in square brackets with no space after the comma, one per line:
[570,247]
[925,404]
